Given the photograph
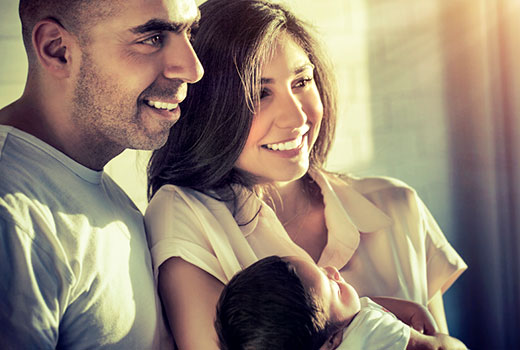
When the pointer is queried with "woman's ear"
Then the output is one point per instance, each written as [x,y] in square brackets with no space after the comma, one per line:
[333,341]
[51,43]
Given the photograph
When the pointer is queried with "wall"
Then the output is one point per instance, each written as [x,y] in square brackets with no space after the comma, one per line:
[13,62]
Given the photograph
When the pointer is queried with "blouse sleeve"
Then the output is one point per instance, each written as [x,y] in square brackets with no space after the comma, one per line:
[444,264]
[177,225]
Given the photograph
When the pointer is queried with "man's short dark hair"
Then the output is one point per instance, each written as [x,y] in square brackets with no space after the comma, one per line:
[77,16]
[266,306]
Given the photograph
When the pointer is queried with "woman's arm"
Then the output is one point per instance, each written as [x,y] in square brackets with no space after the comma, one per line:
[413,314]
[423,335]
[189,296]
[436,307]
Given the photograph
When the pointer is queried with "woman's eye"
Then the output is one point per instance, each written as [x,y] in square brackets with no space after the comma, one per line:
[264,93]
[303,82]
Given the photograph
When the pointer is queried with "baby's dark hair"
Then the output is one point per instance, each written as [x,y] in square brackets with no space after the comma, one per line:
[266,306]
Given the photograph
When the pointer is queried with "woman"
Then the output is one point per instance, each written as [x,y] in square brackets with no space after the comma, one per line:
[241,178]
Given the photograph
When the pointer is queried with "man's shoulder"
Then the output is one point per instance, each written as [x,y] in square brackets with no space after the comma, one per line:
[21,158]
[118,194]
[22,186]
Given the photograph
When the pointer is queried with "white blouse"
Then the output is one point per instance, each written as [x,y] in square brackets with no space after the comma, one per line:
[381,237]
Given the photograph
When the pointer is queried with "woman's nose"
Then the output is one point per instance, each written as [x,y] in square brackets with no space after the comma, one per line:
[291,113]
[181,61]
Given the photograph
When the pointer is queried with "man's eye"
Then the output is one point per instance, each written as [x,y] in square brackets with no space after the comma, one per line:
[156,40]
[192,32]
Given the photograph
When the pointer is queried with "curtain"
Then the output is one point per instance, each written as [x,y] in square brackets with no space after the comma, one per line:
[482,78]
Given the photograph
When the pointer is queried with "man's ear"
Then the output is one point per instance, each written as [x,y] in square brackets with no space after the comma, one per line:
[333,341]
[52,45]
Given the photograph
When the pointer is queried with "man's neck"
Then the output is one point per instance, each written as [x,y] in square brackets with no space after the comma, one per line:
[31,117]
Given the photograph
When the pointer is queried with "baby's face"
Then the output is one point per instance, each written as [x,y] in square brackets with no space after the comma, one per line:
[338,298]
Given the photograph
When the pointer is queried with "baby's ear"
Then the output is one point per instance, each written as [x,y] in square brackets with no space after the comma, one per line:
[333,341]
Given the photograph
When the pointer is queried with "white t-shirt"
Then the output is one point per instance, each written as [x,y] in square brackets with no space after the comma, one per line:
[75,266]
[381,237]
[375,328]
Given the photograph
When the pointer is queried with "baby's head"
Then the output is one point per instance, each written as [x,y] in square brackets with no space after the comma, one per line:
[285,303]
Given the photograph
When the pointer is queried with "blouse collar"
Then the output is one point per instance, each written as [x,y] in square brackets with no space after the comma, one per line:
[347,214]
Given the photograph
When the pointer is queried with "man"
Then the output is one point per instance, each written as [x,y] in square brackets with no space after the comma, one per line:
[104,75]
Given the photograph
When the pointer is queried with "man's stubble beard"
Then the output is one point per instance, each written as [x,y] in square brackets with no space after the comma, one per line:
[110,118]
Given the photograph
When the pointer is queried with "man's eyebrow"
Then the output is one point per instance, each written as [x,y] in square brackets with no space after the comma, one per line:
[156,25]
[296,71]
[159,25]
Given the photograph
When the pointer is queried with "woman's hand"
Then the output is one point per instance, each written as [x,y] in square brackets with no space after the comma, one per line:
[420,319]
[447,342]
[413,314]
[423,333]
[437,341]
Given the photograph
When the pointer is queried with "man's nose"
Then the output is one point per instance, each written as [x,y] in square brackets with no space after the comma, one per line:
[181,61]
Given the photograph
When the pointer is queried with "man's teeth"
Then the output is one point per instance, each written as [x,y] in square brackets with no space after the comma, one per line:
[162,105]
[285,146]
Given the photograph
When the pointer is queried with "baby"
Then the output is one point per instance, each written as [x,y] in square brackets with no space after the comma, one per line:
[291,303]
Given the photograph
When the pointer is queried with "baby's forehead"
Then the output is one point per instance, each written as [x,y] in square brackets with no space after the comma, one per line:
[311,276]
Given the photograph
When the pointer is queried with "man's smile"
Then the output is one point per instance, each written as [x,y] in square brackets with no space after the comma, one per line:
[162,105]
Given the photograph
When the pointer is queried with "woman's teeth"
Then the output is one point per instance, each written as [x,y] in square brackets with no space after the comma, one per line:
[285,146]
[162,105]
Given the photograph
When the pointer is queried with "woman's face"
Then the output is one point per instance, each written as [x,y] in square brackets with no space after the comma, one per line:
[287,121]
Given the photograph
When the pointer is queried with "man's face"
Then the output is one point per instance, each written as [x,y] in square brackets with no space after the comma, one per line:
[134,72]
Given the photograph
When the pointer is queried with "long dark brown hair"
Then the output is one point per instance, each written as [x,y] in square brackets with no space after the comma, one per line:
[234,40]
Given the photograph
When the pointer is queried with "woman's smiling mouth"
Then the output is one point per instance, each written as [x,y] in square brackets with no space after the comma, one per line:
[293,144]
[285,146]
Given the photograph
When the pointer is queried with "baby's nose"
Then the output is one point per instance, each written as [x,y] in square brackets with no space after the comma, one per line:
[333,273]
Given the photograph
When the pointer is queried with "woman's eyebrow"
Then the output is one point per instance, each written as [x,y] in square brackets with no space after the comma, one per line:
[303,67]
[266,80]
[296,71]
